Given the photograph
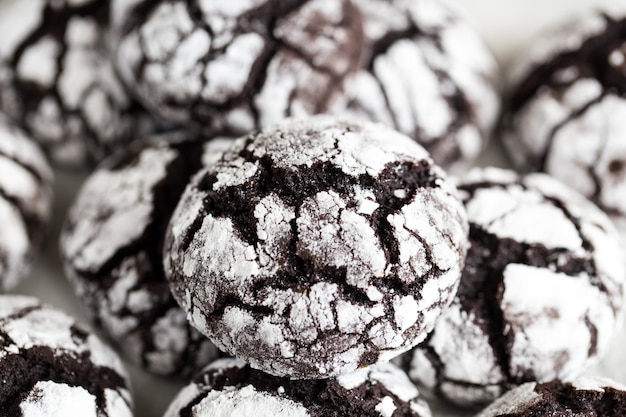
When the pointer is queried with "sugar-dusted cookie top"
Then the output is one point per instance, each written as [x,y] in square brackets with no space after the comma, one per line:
[317,246]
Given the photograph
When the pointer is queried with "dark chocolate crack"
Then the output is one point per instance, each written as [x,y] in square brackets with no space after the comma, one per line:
[591,60]
[559,259]
[563,399]
[321,398]
[294,186]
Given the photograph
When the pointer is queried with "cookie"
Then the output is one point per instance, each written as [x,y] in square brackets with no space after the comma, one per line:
[584,397]
[567,112]
[57,80]
[111,248]
[317,246]
[540,296]
[234,66]
[229,387]
[25,202]
[52,366]
[428,74]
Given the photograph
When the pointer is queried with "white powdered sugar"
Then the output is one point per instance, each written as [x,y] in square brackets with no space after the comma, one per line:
[81,375]
[512,209]
[39,63]
[50,399]
[129,199]
[366,151]
[15,30]
[546,328]
[247,402]
[514,401]
[540,296]
[227,77]
[302,282]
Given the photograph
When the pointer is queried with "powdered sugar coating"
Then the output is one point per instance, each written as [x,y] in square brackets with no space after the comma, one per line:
[229,387]
[111,246]
[427,74]
[52,366]
[567,110]
[25,202]
[584,397]
[57,80]
[317,246]
[238,66]
[540,296]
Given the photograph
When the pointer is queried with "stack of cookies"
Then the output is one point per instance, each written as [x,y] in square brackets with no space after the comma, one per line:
[278,210]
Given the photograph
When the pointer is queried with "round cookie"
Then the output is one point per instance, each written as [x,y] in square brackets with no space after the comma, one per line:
[25,202]
[567,109]
[229,387]
[540,296]
[57,80]
[584,397]
[317,246]
[52,366]
[111,248]
[428,74]
[238,65]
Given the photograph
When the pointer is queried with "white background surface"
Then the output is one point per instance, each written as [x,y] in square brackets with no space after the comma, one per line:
[508,27]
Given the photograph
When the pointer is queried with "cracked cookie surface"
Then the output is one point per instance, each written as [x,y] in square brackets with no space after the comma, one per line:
[52,366]
[540,296]
[111,245]
[57,80]
[584,397]
[566,111]
[428,74]
[229,387]
[235,66]
[25,202]
[317,246]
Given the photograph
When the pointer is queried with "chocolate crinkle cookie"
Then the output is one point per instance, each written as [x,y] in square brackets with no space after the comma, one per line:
[232,66]
[230,388]
[567,109]
[25,202]
[584,397]
[57,80]
[317,246]
[428,74]
[540,296]
[52,366]
[111,246]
